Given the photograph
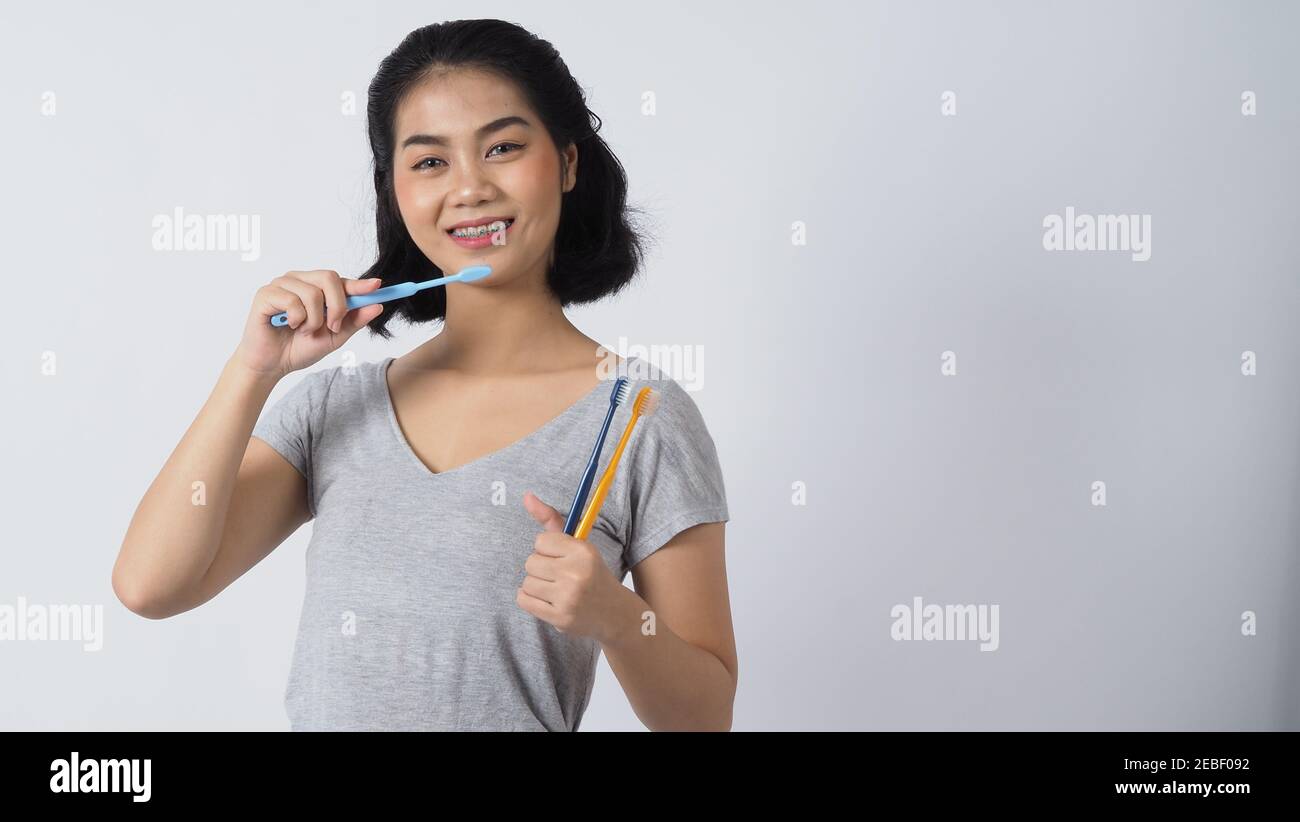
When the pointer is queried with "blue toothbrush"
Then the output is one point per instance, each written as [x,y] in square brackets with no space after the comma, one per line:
[616,398]
[397,292]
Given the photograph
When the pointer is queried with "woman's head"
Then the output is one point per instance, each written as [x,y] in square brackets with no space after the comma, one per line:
[539,162]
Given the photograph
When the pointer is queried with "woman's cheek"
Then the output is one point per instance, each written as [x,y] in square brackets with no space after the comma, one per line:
[415,206]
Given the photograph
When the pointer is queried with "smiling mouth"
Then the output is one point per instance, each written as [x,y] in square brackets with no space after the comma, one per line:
[482,230]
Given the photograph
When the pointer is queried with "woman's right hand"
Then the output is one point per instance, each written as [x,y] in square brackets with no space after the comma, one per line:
[274,351]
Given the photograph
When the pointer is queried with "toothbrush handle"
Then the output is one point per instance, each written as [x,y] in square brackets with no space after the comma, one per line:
[379,295]
[588,476]
[598,499]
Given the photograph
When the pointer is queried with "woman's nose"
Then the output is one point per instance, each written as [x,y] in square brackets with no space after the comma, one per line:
[469,181]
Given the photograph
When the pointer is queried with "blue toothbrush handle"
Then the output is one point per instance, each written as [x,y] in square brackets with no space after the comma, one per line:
[588,476]
[392,292]
[397,292]
[381,295]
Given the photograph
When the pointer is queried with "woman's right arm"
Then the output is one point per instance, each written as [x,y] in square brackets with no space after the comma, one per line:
[178,526]
[186,541]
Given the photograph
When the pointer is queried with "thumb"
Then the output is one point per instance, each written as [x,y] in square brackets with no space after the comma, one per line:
[546,516]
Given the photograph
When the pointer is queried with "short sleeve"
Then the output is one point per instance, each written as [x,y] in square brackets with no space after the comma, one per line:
[293,423]
[674,478]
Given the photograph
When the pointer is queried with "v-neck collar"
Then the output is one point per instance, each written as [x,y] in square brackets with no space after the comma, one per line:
[381,371]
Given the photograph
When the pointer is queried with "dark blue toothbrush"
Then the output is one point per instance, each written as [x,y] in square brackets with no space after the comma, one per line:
[616,398]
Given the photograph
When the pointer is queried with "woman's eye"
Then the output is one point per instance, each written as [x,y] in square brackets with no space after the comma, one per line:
[421,165]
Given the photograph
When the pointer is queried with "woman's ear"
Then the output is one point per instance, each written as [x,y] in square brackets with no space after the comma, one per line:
[569,159]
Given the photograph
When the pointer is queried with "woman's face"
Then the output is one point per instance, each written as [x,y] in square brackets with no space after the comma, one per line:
[468,148]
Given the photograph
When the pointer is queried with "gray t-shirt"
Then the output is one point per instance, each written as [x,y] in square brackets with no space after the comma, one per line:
[409,620]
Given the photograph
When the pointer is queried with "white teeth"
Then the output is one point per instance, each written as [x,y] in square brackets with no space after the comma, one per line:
[479,231]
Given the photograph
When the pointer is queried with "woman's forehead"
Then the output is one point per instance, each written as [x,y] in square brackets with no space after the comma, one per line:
[456,105]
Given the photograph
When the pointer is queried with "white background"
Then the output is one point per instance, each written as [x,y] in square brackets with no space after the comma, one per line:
[821,362]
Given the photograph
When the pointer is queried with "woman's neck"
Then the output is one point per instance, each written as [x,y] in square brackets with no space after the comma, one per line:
[514,328]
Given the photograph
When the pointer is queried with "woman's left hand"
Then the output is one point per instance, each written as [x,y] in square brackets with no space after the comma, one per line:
[568,583]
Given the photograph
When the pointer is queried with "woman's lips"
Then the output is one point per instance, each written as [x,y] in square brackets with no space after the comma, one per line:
[481,242]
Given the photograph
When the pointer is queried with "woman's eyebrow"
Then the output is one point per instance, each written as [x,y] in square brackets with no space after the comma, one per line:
[439,140]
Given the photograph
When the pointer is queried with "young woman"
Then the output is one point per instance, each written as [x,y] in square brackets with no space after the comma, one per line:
[442,592]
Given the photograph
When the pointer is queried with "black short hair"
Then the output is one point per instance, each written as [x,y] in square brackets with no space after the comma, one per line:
[597,249]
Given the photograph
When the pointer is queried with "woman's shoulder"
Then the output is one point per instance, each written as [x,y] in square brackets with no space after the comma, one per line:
[674,407]
[641,373]
[335,384]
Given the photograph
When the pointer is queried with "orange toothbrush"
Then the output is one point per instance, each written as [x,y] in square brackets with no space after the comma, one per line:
[646,400]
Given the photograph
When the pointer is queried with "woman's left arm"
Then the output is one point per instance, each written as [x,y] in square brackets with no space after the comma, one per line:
[671,645]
